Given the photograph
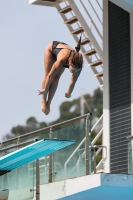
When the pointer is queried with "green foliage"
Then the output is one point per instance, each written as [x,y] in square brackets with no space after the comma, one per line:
[72,131]
[68,110]
[42,125]
[31,122]
[71,109]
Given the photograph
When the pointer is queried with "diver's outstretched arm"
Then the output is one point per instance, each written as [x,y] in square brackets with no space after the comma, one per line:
[73,80]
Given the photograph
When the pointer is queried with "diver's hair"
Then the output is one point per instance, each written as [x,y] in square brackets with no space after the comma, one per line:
[77,59]
[78,44]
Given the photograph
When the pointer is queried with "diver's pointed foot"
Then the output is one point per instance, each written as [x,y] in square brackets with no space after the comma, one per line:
[48,110]
[43,107]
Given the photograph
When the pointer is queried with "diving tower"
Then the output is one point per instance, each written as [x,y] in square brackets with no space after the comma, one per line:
[107,45]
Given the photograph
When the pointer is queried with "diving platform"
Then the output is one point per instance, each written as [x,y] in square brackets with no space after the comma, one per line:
[96,186]
[30,153]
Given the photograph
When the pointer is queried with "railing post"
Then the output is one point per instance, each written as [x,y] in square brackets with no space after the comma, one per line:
[50,159]
[37,180]
[88,146]
[94,160]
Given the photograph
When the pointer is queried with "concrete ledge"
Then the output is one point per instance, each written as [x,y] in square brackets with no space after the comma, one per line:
[97,186]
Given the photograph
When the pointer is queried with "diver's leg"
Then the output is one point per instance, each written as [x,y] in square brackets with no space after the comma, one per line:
[53,88]
[48,63]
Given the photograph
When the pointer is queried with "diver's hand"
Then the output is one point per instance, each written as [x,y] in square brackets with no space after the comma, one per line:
[67,95]
[40,92]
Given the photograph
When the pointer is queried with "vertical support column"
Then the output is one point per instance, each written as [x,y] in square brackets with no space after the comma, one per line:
[37,180]
[88,146]
[130,164]
[131,39]
[106,108]
[50,160]
[94,156]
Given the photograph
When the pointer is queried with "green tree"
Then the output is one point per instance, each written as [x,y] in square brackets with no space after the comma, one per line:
[94,102]
[68,110]
[31,121]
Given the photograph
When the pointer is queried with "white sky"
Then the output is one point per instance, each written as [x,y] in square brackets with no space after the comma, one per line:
[25,30]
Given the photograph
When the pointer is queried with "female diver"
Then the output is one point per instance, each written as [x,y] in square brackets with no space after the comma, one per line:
[57,57]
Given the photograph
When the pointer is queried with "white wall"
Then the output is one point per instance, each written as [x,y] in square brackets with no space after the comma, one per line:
[131,33]
[106,114]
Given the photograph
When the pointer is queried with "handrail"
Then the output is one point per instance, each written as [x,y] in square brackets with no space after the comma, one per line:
[94,24]
[95,147]
[92,143]
[19,145]
[86,29]
[95,11]
[74,153]
[97,122]
[97,137]
[129,137]
[47,128]
[78,24]
[100,147]
[99,5]
[97,153]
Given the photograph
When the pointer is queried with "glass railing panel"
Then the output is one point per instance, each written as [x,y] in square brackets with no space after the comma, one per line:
[70,161]
[66,163]
[39,136]
[26,138]
[44,169]
[130,157]
[19,182]
[43,162]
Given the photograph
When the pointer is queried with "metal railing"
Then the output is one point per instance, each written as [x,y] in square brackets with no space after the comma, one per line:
[44,129]
[91,145]
[23,140]
[99,147]
[86,16]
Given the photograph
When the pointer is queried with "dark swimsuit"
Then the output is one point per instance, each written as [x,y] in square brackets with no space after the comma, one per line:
[55,51]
